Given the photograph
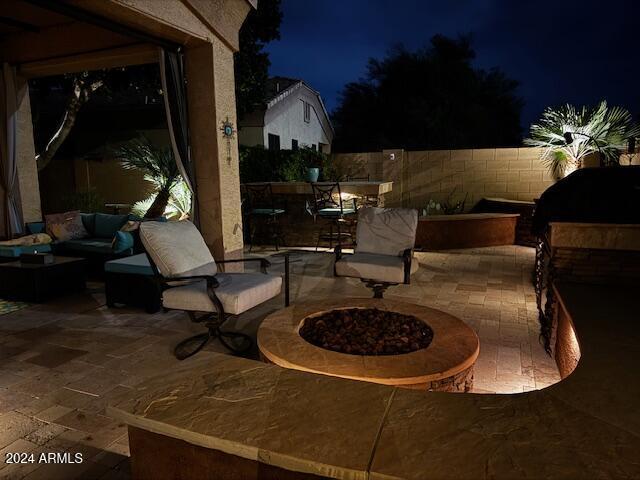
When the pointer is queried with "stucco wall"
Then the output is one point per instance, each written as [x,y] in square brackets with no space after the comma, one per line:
[513,173]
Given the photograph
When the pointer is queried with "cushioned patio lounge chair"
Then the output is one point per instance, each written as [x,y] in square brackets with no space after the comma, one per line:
[191,282]
[383,254]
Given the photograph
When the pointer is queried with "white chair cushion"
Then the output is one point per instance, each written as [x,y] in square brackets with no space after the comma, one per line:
[177,249]
[382,268]
[238,292]
[386,231]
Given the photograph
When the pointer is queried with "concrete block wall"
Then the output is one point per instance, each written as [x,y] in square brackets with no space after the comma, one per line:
[420,176]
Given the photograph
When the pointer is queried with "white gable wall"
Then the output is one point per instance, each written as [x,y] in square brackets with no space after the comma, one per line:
[286,119]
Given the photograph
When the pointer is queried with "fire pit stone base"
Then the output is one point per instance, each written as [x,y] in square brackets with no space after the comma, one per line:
[446,365]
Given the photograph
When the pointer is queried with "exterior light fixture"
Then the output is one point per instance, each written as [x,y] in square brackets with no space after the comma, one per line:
[568,138]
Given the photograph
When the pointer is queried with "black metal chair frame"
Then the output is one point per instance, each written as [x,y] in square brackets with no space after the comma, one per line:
[213,320]
[323,194]
[544,274]
[260,195]
[377,286]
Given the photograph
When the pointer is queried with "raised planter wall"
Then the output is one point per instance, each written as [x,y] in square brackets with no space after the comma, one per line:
[470,230]
[504,205]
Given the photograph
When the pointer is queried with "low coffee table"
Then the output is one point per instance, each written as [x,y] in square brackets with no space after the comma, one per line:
[36,283]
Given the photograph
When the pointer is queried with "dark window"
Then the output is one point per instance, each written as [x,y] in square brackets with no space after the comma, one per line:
[274,142]
[294,144]
[307,111]
[313,147]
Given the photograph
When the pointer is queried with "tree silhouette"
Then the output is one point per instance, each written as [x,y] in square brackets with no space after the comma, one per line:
[252,62]
[428,99]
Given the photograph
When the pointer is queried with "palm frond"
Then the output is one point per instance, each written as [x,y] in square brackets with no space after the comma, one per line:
[157,163]
[603,127]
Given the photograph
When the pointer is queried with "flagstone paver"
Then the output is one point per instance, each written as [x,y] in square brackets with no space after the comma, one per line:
[63,362]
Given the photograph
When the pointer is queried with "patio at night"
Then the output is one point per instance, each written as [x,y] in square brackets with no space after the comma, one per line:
[212,265]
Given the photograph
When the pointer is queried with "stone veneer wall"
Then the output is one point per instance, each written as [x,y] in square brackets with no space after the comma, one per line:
[595,266]
[511,173]
[596,253]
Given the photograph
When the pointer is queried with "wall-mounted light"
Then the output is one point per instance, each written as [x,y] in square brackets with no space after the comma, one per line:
[568,138]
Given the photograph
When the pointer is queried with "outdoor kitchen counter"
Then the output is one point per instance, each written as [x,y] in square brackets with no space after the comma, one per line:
[586,426]
[298,227]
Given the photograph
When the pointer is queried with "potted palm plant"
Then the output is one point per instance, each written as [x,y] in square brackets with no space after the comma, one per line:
[568,135]
[159,168]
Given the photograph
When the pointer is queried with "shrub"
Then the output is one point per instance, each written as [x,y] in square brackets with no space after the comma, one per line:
[258,164]
[87,202]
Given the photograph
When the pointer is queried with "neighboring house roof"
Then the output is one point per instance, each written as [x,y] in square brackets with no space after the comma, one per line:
[277,85]
[278,89]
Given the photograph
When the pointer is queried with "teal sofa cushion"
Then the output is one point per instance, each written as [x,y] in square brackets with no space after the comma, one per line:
[122,241]
[35,227]
[107,225]
[90,245]
[16,251]
[134,265]
[89,222]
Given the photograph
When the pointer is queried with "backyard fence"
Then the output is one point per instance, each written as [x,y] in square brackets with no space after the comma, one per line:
[451,175]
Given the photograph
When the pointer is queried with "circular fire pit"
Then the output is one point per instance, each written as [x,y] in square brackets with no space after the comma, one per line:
[366,331]
[388,333]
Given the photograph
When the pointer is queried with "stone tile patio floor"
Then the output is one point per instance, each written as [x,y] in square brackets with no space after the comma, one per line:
[62,363]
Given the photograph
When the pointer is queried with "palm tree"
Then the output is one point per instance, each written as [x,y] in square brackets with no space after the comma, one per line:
[178,207]
[159,168]
[601,128]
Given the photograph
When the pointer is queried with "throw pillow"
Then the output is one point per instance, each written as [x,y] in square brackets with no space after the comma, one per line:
[122,241]
[33,239]
[65,226]
[130,226]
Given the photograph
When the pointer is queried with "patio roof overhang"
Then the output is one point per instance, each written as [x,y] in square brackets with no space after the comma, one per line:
[50,38]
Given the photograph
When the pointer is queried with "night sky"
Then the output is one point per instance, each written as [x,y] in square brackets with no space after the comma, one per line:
[561,51]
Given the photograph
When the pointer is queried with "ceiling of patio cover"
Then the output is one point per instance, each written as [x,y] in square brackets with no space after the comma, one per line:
[591,195]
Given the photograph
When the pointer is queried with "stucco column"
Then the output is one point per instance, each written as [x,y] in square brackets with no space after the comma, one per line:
[27,169]
[211,98]
[393,171]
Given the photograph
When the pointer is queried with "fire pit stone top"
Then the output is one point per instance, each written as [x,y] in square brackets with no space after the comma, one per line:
[453,349]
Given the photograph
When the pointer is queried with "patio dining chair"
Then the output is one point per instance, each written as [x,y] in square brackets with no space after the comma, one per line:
[191,282]
[383,255]
[263,213]
[330,206]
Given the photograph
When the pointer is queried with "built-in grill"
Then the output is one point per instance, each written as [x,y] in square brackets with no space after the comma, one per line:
[591,195]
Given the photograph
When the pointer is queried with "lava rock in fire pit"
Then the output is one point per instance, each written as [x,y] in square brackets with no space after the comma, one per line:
[366,331]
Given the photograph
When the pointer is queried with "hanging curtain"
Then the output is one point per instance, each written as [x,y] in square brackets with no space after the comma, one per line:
[12,220]
[175,104]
